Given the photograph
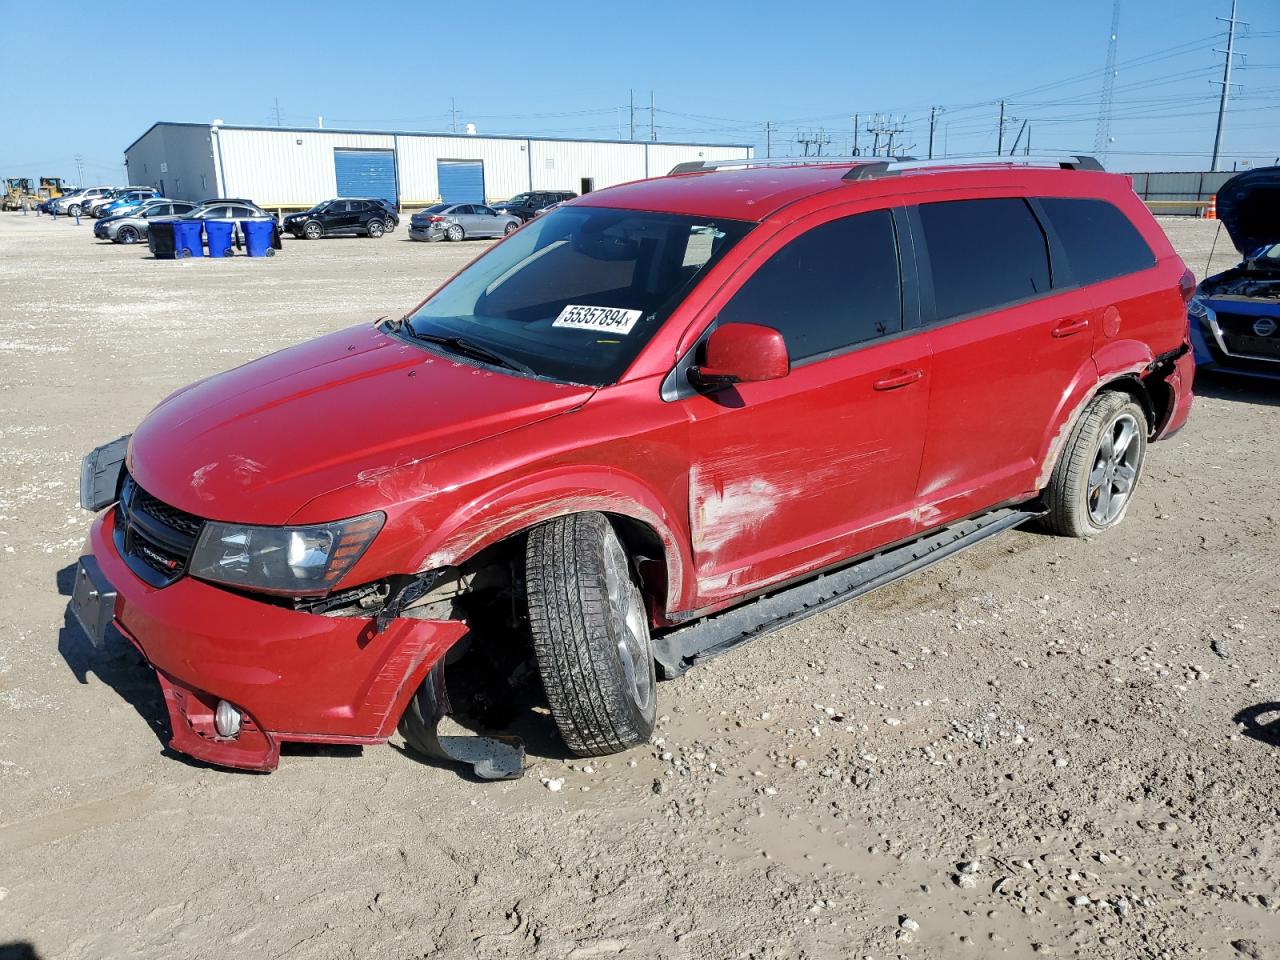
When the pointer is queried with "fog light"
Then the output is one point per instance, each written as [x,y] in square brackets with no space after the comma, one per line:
[227,719]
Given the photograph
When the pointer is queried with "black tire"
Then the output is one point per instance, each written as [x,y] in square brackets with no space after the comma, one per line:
[455,233]
[375,229]
[590,635]
[390,226]
[312,230]
[128,234]
[1093,481]
[510,228]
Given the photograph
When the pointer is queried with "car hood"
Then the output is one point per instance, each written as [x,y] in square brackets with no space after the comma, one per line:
[1249,207]
[257,443]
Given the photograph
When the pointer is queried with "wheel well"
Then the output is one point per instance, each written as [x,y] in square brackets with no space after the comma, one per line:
[642,543]
[1138,390]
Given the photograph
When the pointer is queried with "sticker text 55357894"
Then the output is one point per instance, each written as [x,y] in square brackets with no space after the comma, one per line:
[605,319]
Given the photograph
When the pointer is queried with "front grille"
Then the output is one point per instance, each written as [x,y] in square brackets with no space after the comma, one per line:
[154,538]
[1240,338]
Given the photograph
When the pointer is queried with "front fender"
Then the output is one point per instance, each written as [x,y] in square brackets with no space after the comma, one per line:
[502,512]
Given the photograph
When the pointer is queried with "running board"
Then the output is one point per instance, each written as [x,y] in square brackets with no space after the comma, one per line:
[683,647]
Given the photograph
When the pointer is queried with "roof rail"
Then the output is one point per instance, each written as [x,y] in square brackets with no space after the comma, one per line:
[884,168]
[703,166]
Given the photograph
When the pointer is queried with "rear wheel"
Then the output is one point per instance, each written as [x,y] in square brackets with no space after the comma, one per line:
[590,635]
[75,209]
[454,232]
[1099,468]
[313,230]
[510,228]
[128,234]
[374,229]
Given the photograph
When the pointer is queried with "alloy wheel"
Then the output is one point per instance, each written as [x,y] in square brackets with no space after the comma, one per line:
[1115,470]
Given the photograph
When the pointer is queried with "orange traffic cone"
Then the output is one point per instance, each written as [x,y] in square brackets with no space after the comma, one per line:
[1211,211]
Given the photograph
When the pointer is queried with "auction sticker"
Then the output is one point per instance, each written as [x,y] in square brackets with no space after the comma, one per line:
[608,319]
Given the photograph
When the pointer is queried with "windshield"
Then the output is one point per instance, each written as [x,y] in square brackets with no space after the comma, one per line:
[1269,253]
[517,200]
[438,208]
[576,294]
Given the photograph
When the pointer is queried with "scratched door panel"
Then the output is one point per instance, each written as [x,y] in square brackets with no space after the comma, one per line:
[794,474]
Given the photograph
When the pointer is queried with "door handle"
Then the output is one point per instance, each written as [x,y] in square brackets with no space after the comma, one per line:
[898,378]
[1068,327]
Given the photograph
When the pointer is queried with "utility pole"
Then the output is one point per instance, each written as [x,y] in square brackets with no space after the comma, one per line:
[453,112]
[633,114]
[278,123]
[1000,133]
[1102,138]
[768,138]
[1226,83]
[855,136]
[1018,138]
[653,129]
[1026,151]
[933,122]
[80,170]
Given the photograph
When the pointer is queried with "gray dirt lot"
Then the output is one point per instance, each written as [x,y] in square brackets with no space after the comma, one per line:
[1057,714]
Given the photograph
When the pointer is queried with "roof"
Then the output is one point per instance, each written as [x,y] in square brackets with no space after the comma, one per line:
[429,133]
[749,193]
[754,193]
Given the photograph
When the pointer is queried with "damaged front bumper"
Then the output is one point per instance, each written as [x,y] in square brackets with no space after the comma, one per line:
[294,677]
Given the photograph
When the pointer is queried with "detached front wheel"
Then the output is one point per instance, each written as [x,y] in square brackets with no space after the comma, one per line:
[1096,473]
[590,635]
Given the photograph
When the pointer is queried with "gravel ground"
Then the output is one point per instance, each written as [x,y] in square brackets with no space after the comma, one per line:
[1029,749]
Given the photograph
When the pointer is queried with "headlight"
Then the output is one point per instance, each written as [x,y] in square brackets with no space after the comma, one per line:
[286,560]
[1196,308]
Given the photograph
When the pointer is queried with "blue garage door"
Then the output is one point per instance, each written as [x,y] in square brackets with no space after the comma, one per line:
[461,181]
[366,173]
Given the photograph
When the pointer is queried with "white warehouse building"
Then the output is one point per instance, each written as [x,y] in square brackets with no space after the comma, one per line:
[291,167]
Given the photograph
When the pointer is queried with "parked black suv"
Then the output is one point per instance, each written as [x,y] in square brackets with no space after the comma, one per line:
[371,216]
[526,205]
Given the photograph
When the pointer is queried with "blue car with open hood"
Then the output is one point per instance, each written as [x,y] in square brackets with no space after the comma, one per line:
[1235,315]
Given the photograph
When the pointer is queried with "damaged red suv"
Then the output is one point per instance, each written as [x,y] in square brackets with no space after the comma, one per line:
[661,420]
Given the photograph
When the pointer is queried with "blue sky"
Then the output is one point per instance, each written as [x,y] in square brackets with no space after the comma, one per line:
[718,71]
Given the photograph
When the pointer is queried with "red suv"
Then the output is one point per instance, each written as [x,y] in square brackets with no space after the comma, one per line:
[659,421]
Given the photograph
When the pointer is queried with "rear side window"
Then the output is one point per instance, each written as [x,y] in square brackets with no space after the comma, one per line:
[984,254]
[1100,241]
[830,288]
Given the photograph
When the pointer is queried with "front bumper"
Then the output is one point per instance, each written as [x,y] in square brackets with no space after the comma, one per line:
[297,677]
[1210,347]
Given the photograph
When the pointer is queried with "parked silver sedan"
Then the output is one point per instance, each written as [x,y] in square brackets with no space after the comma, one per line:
[460,221]
[133,226]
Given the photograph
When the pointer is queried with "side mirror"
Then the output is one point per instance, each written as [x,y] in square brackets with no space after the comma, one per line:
[742,353]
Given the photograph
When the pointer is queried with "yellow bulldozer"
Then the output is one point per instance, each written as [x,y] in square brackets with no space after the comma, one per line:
[17,193]
[51,188]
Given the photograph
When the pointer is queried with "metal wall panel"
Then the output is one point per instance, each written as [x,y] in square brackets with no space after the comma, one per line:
[561,165]
[663,156]
[506,165]
[177,158]
[286,168]
[295,167]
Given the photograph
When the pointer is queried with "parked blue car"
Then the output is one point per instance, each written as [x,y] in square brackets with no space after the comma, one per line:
[125,203]
[1235,315]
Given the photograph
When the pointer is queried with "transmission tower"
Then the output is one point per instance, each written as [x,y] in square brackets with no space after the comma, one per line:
[1102,138]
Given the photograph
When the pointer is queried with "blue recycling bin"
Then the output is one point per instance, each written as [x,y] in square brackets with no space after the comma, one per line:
[186,239]
[220,234]
[258,235]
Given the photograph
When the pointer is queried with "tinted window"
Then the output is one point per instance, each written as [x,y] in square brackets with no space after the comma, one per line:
[983,254]
[834,286]
[1100,241]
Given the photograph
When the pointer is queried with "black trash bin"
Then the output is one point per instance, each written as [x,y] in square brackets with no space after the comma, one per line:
[160,239]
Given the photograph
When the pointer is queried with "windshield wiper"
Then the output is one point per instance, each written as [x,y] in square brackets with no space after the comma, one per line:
[469,348]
